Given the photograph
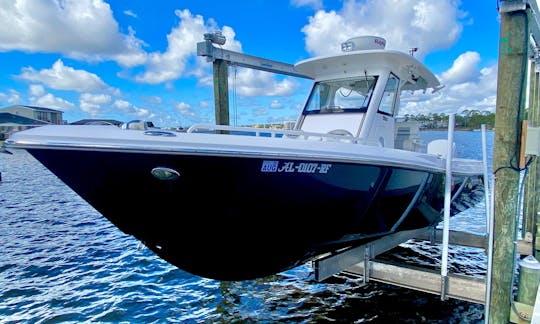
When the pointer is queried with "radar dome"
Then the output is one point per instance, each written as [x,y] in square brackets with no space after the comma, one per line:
[362,43]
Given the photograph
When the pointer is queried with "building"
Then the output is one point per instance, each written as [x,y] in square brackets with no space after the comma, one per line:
[48,115]
[10,123]
[19,117]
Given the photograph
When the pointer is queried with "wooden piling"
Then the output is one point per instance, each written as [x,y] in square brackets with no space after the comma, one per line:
[510,95]
[221,91]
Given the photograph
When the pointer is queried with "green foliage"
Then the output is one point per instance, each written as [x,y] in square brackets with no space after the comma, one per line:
[467,119]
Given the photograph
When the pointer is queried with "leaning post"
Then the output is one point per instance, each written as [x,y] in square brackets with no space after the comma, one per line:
[510,95]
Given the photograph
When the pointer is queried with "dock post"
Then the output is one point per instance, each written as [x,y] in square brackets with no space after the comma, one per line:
[512,66]
[221,91]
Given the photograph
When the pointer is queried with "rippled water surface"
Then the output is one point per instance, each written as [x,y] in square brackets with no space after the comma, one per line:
[61,261]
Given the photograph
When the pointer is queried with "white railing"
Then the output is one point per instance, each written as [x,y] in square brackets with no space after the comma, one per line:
[275,133]
[338,135]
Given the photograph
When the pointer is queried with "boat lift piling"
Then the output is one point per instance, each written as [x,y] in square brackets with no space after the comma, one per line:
[518,26]
[221,92]
[222,58]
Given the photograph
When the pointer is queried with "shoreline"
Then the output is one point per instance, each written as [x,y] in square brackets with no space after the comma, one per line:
[456,129]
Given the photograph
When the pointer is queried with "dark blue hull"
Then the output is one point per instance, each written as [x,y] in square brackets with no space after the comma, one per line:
[238,218]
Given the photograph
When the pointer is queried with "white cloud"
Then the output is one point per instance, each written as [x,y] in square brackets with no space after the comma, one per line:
[154,100]
[276,104]
[130,13]
[204,104]
[315,4]
[144,113]
[425,24]
[122,105]
[92,103]
[83,29]
[251,83]
[50,101]
[133,110]
[465,68]
[90,108]
[11,98]
[61,77]
[185,110]
[182,40]
[182,49]
[36,90]
[259,112]
[99,99]
[476,91]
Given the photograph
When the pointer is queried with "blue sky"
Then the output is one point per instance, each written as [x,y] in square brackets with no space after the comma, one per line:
[130,60]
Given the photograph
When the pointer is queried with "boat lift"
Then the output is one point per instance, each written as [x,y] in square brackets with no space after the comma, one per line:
[222,58]
[213,53]
[361,260]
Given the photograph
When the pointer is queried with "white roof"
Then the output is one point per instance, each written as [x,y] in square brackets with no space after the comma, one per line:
[371,62]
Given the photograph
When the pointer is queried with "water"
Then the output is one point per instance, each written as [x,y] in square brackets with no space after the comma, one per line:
[61,261]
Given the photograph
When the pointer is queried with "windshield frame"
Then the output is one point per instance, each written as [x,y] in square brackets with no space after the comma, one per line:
[333,96]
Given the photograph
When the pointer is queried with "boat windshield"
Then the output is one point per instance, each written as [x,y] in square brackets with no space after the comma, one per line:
[343,95]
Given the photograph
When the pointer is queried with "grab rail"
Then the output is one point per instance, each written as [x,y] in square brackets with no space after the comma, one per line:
[274,132]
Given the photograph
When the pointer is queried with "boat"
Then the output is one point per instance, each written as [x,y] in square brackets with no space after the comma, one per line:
[240,203]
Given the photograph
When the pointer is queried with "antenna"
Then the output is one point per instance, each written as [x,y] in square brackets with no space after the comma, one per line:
[412,51]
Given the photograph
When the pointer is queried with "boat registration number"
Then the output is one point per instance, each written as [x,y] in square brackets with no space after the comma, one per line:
[300,167]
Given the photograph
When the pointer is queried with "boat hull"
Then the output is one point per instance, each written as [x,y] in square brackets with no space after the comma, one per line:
[239,218]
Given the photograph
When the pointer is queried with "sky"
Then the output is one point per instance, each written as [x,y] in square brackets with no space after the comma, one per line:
[127,60]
